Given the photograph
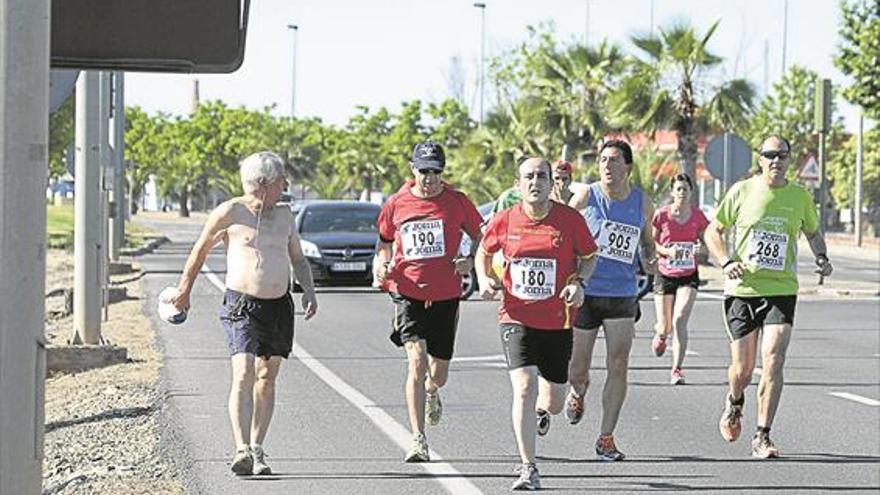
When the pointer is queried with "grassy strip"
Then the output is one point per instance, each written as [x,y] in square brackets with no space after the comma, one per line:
[59,229]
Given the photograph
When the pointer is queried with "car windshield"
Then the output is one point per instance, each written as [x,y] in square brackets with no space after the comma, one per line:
[317,220]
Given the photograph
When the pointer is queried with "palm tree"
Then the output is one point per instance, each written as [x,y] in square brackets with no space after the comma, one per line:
[668,90]
[552,96]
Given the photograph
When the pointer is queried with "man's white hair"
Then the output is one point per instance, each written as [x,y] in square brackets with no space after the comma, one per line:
[263,167]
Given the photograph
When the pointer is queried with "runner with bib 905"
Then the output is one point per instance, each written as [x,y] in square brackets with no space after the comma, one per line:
[617,215]
[548,251]
[768,212]
[424,221]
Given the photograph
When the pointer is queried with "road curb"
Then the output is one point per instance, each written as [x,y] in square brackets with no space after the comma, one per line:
[149,247]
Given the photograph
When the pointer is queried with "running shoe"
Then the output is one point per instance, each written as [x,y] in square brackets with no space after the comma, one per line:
[433,408]
[730,424]
[419,450]
[606,450]
[543,422]
[529,479]
[763,447]
[658,344]
[260,466]
[574,408]
[676,377]
[243,462]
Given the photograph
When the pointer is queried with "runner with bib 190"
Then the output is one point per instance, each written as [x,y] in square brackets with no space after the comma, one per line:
[424,221]
[761,288]
[616,214]
[547,252]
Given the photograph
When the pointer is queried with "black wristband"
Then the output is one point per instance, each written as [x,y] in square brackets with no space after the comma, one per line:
[727,263]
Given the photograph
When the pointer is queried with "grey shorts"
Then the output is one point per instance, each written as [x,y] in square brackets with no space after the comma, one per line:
[262,327]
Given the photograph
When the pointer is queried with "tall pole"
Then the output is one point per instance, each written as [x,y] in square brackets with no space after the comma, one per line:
[652,16]
[587,23]
[784,33]
[294,29]
[87,208]
[24,134]
[482,7]
[117,191]
[858,206]
[766,67]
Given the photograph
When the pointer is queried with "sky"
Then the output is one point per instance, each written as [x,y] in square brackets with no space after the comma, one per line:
[382,52]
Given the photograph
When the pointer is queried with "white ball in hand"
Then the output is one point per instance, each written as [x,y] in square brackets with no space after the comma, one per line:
[166,310]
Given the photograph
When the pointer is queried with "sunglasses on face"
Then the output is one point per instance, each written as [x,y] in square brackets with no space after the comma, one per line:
[430,171]
[774,154]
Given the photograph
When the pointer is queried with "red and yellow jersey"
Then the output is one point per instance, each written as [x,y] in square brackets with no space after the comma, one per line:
[426,233]
[540,258]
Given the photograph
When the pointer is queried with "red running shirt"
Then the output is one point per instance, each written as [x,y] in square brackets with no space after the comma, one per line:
[540,258]
[684,236]
[426,233]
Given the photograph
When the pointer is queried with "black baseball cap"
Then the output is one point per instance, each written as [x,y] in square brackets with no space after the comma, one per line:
[428,154]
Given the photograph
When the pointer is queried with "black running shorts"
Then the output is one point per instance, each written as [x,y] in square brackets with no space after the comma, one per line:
[597,309]
[668,286]
[434,322]
[549,350]
[744,315]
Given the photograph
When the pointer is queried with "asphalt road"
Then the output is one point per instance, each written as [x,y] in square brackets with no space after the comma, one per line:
[340,419]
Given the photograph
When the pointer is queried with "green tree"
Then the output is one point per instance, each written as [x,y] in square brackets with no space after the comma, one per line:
[668,89]
[859,53]
[61,135]
[140,151]
[553,95]
[841,171]
[788,111]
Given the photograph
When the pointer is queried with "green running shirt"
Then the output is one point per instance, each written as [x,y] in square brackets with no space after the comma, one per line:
[768,221]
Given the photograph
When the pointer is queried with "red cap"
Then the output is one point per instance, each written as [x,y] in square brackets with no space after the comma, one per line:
[563,165]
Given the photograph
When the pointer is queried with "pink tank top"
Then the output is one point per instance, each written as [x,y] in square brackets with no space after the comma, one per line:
[683,236]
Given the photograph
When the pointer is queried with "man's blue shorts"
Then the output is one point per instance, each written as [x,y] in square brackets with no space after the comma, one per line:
[262,327]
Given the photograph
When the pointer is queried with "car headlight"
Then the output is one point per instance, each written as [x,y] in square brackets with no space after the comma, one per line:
[309,249]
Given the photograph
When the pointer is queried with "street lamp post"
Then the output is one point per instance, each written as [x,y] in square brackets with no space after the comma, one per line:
[294,28]
[482,7]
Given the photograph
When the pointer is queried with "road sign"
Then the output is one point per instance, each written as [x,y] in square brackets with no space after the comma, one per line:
[809,170]
[728,152]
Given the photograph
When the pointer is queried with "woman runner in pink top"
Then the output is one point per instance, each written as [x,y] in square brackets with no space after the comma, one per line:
[678,228]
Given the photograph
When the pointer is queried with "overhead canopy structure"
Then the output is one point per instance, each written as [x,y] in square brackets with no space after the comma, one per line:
[205,36]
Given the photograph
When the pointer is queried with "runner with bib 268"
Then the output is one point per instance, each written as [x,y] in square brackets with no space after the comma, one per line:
[548,252]
[761,289]
[424,221]
[617,215]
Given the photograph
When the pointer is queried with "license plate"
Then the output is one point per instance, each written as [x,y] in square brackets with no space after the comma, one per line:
[353,266]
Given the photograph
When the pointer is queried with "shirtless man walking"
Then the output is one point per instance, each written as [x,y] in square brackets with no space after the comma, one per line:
[257,309]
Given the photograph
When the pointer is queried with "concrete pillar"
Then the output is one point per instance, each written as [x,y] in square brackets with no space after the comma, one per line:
[24,131]
[87,250]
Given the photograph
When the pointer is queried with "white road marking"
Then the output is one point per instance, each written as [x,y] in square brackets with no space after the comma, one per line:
[759,371]
[691,353]
[448,476]
[856,398]
[707,295]
[466,359]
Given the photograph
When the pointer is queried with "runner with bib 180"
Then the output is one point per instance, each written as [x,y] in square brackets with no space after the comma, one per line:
[424,221]
[617,215]
[547,252]
[761,288]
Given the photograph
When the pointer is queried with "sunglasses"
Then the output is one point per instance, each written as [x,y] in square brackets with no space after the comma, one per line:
[430,171]
[774,154]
